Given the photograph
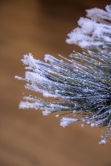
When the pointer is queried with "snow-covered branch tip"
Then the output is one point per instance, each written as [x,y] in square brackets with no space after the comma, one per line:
[82,82]
[93,32]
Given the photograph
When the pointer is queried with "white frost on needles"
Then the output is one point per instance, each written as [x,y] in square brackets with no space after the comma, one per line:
[66,121]
[93,32]
[76,84]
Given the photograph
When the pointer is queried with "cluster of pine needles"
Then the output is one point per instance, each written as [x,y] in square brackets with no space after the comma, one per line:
[82,83]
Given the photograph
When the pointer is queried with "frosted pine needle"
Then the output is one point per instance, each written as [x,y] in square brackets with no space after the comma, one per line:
[82,82]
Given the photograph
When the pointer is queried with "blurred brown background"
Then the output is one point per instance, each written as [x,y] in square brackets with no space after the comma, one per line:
[26,137]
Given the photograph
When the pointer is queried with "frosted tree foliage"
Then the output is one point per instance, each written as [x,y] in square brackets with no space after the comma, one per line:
[82,82]
[93,32]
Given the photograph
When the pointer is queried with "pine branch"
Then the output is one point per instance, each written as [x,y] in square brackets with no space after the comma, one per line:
[82,82]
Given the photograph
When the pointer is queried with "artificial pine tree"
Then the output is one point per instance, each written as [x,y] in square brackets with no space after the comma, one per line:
[82,82]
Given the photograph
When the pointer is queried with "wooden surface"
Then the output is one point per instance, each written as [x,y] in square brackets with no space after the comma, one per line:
[26,137]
